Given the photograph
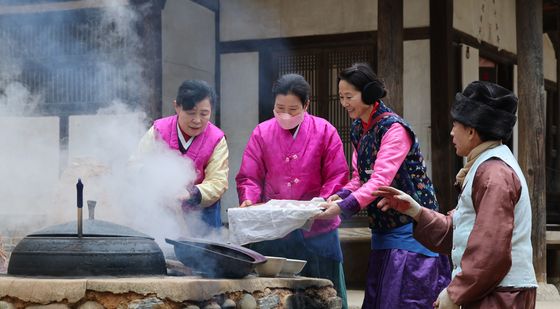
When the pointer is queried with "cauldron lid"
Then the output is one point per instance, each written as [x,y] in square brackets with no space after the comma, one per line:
[95,228]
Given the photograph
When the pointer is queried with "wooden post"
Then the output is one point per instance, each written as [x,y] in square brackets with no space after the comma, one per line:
[390,50]
[443,88]
[531,115]
[150,30]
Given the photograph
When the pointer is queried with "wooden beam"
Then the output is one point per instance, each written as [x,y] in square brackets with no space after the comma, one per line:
[532,124]
[326,40]
[390,50]
[490,51]
[443,86]
[56,6]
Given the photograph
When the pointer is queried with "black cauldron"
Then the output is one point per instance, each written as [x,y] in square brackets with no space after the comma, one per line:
[87,248]
[104,249]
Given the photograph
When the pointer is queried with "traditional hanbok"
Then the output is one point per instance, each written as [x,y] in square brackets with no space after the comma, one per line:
[209,152]
[488,236]
[298,164]
[402,273]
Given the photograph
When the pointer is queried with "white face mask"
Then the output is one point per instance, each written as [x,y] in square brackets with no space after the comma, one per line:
[287,121]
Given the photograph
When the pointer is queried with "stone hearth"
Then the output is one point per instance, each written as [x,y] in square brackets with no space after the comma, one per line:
[167,292]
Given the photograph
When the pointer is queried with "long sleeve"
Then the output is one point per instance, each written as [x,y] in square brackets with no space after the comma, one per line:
[354,183]
[250,179]
[487,257]
[215,181]
[147,143]
[395,145]
[434,231]
[334,170]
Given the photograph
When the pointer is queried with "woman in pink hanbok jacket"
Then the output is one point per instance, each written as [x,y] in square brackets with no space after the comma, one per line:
[191,133]
[386,152]
[297,156]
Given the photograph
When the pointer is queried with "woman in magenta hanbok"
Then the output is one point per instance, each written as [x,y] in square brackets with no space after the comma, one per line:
[190,133]
[297,156]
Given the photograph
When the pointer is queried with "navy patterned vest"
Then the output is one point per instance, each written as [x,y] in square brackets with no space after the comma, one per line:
[410,178]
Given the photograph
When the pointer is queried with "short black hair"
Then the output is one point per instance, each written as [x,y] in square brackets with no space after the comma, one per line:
[359,75]
[292,84]
[193,91]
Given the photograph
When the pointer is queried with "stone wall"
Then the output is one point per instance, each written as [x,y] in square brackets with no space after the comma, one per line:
[168,292]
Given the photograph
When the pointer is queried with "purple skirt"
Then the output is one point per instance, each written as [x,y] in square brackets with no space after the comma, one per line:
[402,279]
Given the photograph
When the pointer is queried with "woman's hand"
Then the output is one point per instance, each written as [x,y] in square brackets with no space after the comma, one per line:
[184,196]
[333,198]
[444,301]
[246,203]
[332,210]
[397,200]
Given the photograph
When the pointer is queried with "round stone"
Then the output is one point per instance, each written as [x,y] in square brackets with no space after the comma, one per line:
[229,304]
[247,302]
[91,305]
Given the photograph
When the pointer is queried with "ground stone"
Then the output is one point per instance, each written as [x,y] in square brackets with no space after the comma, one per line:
[547,292]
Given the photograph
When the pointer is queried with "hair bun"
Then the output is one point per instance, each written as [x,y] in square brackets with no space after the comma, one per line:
[372,92]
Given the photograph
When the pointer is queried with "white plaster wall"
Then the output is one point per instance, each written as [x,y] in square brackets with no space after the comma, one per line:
[263,19]
[549,59]
[416,94]
[105,138]
[30,167]
[239,111]
[188,47]
[497,21]
[416,13]
[470,61]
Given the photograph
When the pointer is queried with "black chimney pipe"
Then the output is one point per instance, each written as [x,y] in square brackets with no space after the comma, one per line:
[80,201]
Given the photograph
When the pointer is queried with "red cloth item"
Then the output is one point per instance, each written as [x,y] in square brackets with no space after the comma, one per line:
[367,125]
[185,135]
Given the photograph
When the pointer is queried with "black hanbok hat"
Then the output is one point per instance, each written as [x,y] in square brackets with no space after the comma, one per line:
[487,107]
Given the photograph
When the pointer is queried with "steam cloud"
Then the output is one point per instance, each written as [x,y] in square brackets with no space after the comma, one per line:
[38,173]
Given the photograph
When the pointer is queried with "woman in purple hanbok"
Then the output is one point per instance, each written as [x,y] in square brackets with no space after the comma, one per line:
[297,156]
[401,273]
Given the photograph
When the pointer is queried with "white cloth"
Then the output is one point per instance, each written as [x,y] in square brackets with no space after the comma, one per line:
[272,220]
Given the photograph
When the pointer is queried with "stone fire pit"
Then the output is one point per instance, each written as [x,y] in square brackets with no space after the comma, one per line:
[167,292]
